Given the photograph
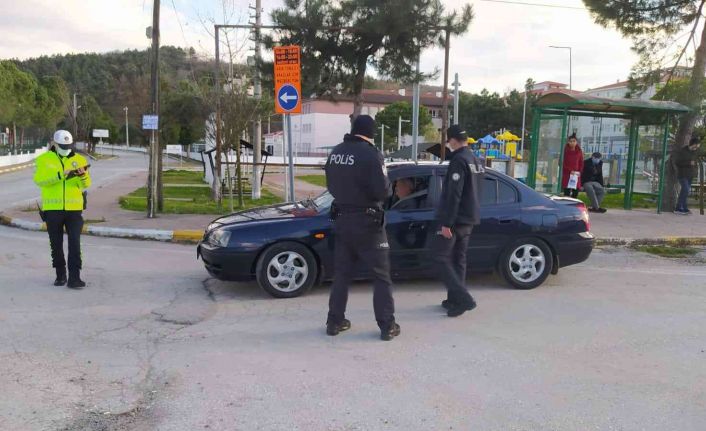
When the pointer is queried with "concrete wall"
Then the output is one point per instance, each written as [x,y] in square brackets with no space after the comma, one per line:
[18,159]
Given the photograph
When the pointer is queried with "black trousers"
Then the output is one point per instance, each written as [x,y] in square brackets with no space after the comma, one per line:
[73,222]
[361,244]
[574,193]
[450,257]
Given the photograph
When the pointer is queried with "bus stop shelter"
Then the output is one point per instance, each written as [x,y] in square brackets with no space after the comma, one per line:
[631,134]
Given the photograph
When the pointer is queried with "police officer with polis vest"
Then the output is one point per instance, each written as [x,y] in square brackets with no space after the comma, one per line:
[458,212]
[357,179]
[62,175]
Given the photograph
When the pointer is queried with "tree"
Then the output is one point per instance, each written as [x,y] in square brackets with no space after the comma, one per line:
[341,39]
[390,117]
[654,24]
[184,113]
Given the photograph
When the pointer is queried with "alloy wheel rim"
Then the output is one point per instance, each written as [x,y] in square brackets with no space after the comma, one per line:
[527,263]
[287,271]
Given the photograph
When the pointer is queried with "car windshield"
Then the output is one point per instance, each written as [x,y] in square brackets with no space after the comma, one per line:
[323,201]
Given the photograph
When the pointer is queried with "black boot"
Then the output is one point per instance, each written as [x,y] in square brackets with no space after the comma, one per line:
[335,328]
[457,309]
[391,332]
[60,276]
[75,281]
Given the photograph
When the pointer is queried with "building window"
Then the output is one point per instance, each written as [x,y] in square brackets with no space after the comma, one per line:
[434,113]
[306,128]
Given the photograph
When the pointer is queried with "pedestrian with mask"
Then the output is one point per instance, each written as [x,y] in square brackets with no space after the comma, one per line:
[687,169]
[458,212]
[357,179]
[62,175]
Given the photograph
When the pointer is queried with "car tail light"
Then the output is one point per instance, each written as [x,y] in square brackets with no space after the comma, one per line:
[584,216]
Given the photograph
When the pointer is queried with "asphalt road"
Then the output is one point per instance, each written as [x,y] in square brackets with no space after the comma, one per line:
[17,188]
[618,343]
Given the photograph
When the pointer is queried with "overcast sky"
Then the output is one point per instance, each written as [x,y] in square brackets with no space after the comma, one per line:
[506,44]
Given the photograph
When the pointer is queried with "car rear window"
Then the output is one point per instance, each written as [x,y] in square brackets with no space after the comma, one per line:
[497,192]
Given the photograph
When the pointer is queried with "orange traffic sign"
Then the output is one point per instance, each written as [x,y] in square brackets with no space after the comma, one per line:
[288,87]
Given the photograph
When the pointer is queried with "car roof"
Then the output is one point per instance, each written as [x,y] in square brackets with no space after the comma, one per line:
[400,169]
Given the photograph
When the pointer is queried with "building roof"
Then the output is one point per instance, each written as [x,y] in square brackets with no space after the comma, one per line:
[588,103]
[386,97]
[619,84]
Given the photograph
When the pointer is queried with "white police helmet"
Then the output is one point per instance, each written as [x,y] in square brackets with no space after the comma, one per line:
[63,142]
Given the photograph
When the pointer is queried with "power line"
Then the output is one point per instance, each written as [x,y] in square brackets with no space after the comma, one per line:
[535,4]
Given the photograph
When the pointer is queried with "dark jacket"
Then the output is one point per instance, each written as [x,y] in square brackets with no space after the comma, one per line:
[460,196]
[356,175]
[591,172]
[685,162]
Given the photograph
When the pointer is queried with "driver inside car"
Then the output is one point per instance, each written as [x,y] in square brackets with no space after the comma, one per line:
[407,198]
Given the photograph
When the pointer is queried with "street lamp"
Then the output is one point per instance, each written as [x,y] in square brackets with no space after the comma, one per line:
[382,138]
[399,131]
[127,132]
[570,66]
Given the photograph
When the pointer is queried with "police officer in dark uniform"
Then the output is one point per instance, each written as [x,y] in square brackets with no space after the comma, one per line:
[357,179]
[458,211]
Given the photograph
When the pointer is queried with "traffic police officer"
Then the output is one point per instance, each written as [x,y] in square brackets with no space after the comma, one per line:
[458,211]
[357,179]
[62,176]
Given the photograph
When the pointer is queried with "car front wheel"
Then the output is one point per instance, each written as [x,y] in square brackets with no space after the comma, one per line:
[526,263]
[286,270]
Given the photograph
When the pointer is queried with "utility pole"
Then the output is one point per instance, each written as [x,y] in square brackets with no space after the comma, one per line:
[456,84]
[415,113]
[257,136]
[217,73]
[155,154]
[445,102]
[127,131]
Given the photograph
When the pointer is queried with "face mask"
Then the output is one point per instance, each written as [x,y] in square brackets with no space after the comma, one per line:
[62,152]
[596,161]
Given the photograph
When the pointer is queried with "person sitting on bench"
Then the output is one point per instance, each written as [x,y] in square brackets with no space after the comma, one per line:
[592,177]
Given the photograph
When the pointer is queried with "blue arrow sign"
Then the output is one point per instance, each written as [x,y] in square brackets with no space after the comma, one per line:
[287,97]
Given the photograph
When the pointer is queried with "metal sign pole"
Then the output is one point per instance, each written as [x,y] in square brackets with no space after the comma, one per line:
[290,174]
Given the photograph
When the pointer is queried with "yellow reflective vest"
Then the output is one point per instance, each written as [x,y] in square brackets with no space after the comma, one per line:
[59,193]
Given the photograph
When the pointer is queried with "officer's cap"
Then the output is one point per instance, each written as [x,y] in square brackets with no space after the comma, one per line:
[364,125]
[456,132]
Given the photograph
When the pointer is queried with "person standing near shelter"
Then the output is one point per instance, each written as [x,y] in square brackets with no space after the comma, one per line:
[62,175]
[592,177]
[687,170]
[357,179]
[572,164]
[458,212]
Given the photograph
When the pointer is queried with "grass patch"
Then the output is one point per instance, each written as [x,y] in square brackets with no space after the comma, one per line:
[616,201]
[667,251]
[191,200]
[317,180]
[175,176]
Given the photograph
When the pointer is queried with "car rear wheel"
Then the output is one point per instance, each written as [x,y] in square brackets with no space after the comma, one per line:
[526,263]
[286,270]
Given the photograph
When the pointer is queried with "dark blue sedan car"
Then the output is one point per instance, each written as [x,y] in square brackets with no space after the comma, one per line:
[287,248]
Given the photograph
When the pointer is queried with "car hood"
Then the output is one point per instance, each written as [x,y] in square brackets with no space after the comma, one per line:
[272,212]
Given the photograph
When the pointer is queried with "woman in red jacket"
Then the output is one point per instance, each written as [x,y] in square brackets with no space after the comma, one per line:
[573,162]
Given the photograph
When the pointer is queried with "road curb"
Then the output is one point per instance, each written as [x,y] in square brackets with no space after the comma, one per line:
[194,236]
[14,168]
[181,236]
[670,240]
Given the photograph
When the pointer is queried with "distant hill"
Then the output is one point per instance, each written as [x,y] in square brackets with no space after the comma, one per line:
[119,79]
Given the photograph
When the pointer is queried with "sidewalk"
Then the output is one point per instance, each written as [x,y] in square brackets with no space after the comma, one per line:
[646,225]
